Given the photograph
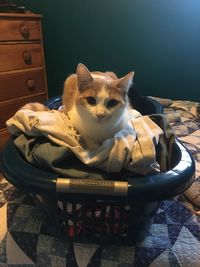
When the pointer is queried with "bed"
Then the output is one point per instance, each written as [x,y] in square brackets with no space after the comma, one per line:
[172,240]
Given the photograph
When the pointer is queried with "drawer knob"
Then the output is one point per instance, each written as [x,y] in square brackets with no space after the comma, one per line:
[27,57]
[24,30]
[30,84]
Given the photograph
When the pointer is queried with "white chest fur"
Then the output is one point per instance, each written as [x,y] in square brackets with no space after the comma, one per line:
[94,132]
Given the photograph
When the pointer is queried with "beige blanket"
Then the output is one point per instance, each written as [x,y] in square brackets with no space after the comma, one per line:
[132,148]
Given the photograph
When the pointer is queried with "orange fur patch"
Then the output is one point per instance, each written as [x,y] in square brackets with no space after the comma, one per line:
[106,81]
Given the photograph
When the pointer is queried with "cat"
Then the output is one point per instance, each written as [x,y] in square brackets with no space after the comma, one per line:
[97,103]
[35,106]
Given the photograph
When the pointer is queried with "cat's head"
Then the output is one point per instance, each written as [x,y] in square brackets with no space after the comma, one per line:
[101,96]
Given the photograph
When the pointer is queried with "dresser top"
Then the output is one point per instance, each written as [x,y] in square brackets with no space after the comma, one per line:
[20,15]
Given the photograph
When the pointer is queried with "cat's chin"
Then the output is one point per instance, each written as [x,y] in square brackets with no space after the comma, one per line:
[101,120]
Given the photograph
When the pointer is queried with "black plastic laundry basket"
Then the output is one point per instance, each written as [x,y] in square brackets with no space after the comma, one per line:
[96,210]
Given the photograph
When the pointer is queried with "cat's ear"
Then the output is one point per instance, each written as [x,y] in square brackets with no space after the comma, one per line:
[125,82]
[84,76]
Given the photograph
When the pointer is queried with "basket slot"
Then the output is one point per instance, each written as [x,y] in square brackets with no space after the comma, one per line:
[112,220]
[74,218]
[93,219]
[127,209]
[64,218]
[121,216]
[83,219]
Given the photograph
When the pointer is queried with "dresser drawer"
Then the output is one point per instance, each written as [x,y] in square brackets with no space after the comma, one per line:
[18,30]
[20,56]
[4,136]
[7,110]
[21,83]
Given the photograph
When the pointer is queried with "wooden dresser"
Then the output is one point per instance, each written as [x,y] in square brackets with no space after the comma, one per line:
[22,65]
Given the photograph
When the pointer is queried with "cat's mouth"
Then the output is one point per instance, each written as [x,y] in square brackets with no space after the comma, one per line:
[100,118]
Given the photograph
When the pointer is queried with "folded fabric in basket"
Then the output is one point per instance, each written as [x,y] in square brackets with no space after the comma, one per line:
[132,148]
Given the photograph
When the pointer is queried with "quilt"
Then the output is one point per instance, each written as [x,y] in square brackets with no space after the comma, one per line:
[173,239]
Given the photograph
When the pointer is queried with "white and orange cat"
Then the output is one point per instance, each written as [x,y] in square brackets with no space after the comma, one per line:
[97,103]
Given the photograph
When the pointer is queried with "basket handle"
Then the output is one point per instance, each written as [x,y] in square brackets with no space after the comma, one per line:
[92,186]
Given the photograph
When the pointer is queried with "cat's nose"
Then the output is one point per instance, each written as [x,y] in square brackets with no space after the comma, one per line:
[100,116]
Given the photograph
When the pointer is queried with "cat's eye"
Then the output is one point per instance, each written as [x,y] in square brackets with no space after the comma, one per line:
[91,100]
[112,103]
